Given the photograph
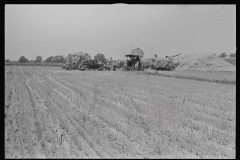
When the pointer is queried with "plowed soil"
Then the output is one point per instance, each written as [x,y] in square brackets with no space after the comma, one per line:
[53,113]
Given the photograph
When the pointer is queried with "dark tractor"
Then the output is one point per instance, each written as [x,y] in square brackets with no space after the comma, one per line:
[92,65]
[133,63]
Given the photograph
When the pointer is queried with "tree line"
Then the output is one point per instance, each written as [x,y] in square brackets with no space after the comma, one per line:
[60,59]
[99,56]
[57,59]
[223,54]
[51,59]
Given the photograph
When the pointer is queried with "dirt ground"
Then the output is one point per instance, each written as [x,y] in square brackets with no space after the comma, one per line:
[53,113]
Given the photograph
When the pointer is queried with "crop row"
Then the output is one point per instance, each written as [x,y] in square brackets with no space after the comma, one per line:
[123,114]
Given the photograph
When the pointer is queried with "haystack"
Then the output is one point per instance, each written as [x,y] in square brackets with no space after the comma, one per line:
[147,62]
[163,63]
[203,62]
[75,58]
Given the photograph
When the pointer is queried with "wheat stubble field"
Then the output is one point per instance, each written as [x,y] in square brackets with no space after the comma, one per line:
[53,113]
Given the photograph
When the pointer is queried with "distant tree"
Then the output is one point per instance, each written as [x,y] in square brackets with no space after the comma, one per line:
[7,60]
[232,55]
[101,58]
[222,55]
[49,59]
[38,59]
[22,59]
[88,55]
[58,59]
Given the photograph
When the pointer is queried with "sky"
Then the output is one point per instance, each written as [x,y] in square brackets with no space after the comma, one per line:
[115,29]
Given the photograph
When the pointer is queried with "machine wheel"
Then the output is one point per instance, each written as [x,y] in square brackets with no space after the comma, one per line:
[104,69]
[86,68]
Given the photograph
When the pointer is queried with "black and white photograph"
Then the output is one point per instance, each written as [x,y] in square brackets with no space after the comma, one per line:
[120,81]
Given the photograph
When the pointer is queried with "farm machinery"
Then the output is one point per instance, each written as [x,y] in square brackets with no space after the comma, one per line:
[146,63]
[92,65]
[133,63]
[120,64]
[88,65]
[164,64]
[83,61]
[70,67]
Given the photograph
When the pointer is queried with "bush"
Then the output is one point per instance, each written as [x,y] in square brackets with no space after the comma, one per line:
[233,55]
[222,55]
[38,59]
[22,59]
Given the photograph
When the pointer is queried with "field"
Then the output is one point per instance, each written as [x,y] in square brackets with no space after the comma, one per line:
[53,113]
[43,64]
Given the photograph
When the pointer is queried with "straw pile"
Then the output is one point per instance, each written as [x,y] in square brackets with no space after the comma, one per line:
[75,58]
[147,62]
[203,62]
[163,63]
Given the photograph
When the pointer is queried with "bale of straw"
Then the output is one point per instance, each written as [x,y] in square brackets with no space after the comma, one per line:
[163,63]
[75,58]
